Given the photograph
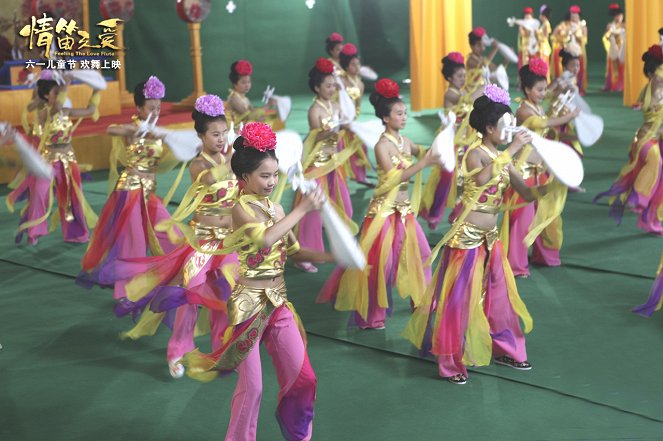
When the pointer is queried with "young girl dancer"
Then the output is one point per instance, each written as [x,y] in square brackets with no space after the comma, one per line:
[477,63]
[614,42]
[639,185]
[333,47]
[239,106]
[442,187]
[471,308]
[258,308]
[323,159]
[358,164]
[57,131]
[391,237]
[177,282]
[127,221]
[517,221]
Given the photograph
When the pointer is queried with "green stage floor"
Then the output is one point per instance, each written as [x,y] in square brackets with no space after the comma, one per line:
[65,376]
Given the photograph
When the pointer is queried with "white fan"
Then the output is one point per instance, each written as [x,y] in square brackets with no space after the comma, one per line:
[531,24]
[502,48]
[347,107]
[32,160]
[185,144]
[283,103]
[368,131]
[232,135]
[344,246]
[443,144]
[90,77]
[289,148]
[589,127]
[283,106]
[267,94]
[368,73]
[561,159]
[500,77]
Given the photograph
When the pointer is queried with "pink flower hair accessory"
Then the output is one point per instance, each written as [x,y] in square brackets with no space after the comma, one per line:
[575,9]
[259,136]
[349,50]
[324,65]
[538,67]
[154,89]
[456,57]
[497,95]
[210,105]
[243,67]
[335,36]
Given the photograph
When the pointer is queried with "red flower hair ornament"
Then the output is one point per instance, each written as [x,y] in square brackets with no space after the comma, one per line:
[614,6]
[259,136]
[575,9]
[324,65]
[538,67]
[349,50]
[456,57]
[656,51]
[243,67]
[479,31]
[528,10]
[335,36]
[387,88]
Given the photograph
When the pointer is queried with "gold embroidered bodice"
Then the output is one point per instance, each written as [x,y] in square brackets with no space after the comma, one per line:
[268,262]
[491,199]
[220,197]
[59,130]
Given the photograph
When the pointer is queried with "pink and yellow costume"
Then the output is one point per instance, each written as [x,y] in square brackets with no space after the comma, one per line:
[269,117]
[614,43]
[358,165]
[565,33]
[655,300]
[534,44]
[175,284]
[442,187]
[395,247]
[471,307]
[476,76]
[324,161]
[126,227]
[639,185]
[519,230]
[262,314]
[75,213]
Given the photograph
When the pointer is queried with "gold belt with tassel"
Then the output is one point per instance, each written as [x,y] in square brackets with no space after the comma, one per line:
[247,301]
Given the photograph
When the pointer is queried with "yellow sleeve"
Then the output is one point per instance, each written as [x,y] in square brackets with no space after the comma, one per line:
[535,122]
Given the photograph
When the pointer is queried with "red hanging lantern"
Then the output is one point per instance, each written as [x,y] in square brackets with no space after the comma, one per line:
[122,9]
[193,11]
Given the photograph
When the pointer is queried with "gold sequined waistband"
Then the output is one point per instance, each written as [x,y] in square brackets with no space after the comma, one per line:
[55,154]
[209,232]
[143,169]
[469,236]
[247,301]
[377,207]
[128,182]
